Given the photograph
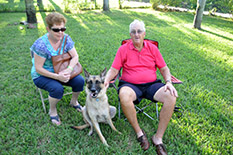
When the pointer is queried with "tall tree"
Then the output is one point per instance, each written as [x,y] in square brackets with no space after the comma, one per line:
[199,13]
[95,4]
[39,2]
[120,3]
[106,5]
[30,11]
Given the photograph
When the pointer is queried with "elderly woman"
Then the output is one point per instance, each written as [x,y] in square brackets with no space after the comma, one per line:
[42,71]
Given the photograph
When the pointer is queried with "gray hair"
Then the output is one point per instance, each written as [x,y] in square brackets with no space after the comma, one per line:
[135,22]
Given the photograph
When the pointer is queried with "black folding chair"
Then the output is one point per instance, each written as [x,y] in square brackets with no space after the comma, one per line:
[174,80]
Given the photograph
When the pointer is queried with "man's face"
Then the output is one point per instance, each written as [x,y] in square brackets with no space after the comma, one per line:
[137,34]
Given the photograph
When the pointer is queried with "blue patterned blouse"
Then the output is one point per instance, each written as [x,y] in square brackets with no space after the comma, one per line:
[43,48]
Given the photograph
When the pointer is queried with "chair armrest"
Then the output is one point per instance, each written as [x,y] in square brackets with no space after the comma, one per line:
[175,80]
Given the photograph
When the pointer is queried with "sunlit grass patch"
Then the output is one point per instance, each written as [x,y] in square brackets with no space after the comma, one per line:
[202,59]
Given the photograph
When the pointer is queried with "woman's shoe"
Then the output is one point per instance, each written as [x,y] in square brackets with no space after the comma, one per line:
[77,107]
[55,120]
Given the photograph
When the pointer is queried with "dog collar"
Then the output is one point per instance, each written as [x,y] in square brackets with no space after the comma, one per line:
[96,99]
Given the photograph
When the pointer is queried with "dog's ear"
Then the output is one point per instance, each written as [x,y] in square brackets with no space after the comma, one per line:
[86,73]
[103,74]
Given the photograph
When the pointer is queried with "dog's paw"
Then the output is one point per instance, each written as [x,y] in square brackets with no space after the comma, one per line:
[106,144]
[90,133]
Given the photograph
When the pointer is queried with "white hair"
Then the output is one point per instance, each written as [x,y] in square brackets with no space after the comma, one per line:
[135,22]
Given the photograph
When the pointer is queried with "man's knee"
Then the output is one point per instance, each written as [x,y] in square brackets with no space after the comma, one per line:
[126,95]
[170,100]
[165,97]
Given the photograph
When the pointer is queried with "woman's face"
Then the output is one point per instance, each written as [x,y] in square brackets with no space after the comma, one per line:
[57,31]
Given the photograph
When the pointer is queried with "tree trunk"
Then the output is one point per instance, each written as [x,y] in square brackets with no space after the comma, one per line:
[106,5]
[30,11]
[95,4]
[120,4]
[39,3]
[199,13]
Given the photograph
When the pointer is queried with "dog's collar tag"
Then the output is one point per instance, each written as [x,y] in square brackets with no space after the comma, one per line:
[97,100]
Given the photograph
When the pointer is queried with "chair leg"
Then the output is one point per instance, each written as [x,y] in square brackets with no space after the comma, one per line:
[119,110]
[157,112]
[142,110]
[42,99]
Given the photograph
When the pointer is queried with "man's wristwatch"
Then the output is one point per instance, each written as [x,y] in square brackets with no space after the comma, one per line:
[168,81]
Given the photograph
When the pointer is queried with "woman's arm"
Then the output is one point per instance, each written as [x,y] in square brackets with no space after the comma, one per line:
[75,57]
[39,63]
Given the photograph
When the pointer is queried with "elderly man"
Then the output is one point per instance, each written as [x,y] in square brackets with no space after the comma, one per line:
[139,60]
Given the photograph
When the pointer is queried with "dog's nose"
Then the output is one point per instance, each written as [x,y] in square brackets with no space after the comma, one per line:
[93,89]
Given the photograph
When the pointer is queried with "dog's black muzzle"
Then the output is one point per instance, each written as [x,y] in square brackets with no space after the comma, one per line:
[94,91]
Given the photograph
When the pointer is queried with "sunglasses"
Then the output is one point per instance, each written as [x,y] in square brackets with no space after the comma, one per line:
[58,29]
[138,31]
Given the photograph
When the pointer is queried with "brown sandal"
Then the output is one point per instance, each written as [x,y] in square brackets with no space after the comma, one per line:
[144,141]
[160,149]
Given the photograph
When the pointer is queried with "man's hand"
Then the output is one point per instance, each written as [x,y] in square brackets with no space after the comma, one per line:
[171,88]
[106,84]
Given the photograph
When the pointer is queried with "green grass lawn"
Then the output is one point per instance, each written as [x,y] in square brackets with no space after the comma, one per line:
[202,59]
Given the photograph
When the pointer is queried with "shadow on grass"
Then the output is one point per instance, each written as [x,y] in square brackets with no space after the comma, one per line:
[57,8]
[12,6]
[41,6]
[185,55]
[180,46]
[216,34]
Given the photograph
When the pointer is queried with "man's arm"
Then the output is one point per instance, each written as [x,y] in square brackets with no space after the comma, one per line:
[166,74]
[167,77]
[112,73]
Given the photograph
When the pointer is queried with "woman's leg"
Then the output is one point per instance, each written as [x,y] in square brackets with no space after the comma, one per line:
[74,100]
[53,110]
[77,84]
[55,90]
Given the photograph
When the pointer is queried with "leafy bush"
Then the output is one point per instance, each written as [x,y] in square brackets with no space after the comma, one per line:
[224,6]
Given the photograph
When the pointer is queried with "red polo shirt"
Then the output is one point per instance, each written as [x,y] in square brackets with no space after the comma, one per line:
[138,67]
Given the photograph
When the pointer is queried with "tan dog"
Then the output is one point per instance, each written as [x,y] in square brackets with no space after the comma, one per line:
[97,109]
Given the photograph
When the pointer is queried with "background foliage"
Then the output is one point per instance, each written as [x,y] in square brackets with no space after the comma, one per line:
[74,6]
[202,59]
[223,6]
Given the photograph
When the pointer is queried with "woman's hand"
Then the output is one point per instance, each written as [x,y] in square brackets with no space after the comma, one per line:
[64,76]
[67,71]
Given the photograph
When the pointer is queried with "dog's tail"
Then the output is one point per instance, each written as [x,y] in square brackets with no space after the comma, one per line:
[80,127]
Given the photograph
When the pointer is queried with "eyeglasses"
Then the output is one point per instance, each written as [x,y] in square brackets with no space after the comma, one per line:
[58,30]
[138,31]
